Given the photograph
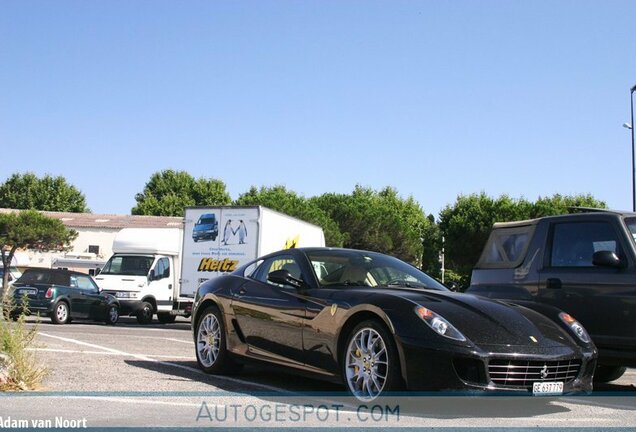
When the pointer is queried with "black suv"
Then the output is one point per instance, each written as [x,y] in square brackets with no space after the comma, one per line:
[583,264]
[63,295]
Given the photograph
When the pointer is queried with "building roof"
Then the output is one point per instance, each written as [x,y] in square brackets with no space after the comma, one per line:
[90,220]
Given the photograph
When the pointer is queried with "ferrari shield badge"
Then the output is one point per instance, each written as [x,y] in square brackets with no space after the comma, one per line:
[334,308]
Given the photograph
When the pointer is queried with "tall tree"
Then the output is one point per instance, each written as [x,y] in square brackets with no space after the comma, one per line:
[381,221]
[27,191]
[168,192]
[30,229]
[285,201]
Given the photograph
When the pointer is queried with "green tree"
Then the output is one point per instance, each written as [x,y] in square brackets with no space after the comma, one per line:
[30,229]
[27,191]
[381,221]
[168,192]
[561,204]
[285,201]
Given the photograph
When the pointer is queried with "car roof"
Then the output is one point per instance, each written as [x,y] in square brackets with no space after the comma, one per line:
[575,212]
[60,271]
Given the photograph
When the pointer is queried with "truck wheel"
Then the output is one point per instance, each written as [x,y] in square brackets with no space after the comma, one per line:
[166,318]
[211,350]
[144,315]
[61,313]
[605,374]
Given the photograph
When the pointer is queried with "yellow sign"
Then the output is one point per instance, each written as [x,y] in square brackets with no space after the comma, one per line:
[292,243]
[213,265]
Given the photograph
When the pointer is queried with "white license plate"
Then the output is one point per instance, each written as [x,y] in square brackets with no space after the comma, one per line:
[547,388]
[29,291]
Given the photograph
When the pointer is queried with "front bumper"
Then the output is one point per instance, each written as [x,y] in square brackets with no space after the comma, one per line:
[457,367]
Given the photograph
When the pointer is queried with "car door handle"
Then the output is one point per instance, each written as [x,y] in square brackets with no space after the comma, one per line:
[242,292]
[553,283]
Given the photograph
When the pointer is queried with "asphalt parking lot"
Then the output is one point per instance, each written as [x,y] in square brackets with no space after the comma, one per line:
[132,375]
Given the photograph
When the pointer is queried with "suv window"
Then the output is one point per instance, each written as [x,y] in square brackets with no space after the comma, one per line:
[506,247]
[573,244]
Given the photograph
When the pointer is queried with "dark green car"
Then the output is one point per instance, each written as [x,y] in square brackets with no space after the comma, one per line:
[63,295]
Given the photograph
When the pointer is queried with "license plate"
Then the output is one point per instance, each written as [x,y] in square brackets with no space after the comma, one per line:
[29,291]
[547,388]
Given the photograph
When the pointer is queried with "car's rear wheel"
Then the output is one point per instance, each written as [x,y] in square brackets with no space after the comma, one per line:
[166,318]
[61,313]
[370,365]
[145,313]
[211,350]
[112,316]
[605,374]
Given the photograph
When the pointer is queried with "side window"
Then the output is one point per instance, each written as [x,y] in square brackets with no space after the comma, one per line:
[252,269]
[573,244]
[85,283]
[506,247]
[73,282]
[162,269]
[285,262]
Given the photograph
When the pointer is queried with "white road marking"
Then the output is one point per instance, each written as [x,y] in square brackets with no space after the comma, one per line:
[149,359]
[106,353]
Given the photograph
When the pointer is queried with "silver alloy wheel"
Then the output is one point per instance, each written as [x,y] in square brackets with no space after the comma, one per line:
[61,312]
[113,314]
[367,364]
[208,340]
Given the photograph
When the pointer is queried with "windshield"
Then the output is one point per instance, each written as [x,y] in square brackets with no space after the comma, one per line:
[210,220]
[128,265]
[359,268]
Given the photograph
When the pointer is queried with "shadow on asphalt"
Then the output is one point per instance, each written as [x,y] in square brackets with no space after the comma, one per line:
[301,391]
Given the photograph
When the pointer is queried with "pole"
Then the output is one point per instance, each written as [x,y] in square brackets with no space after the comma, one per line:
[631,99]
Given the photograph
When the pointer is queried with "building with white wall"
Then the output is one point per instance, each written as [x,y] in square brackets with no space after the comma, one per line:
[94,242]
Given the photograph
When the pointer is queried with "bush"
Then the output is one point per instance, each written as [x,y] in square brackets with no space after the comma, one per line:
[19,369]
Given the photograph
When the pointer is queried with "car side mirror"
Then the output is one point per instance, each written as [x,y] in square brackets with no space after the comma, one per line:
[97,271]
[283,277]
[151,276]
[606,259]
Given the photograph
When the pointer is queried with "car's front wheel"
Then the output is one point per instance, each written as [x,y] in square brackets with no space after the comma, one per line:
[605,374]
[211,350]
[370,365]
[144,315]
[61,313]
[112,315]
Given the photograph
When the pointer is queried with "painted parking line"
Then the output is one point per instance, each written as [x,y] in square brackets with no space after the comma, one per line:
[107,353]
[164,363]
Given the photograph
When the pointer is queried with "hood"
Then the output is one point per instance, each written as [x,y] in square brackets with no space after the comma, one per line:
[120,282]
[490,322]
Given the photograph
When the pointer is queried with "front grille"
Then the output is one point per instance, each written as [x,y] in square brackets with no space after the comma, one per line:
[523,373]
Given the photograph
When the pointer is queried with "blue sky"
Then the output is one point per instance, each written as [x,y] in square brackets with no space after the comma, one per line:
[434,98]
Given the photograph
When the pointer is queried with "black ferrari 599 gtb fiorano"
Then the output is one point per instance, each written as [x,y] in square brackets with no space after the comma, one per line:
[381,325]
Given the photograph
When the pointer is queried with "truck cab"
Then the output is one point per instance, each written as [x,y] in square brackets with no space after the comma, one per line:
[583,264]
[143,273]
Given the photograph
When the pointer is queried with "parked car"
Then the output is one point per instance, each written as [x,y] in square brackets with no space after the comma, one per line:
[583,263]
[63,295]
[379,325]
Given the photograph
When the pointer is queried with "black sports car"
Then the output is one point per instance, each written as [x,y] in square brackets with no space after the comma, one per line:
[379,325]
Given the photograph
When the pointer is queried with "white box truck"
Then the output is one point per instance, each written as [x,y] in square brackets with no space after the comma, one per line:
[158,270]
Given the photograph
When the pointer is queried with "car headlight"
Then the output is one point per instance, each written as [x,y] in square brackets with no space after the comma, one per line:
[575,326]
[439,324]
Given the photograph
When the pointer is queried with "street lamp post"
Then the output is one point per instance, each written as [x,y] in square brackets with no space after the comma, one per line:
[630,126]
[631,99]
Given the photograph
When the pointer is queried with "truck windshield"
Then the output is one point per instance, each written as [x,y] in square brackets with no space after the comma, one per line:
[631,225]
[130,265]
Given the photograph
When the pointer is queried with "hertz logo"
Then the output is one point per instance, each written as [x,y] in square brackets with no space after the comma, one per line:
[213,265]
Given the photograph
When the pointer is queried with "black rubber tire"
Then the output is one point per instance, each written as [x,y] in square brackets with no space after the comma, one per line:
[145,313]
[166,318]
[394,378]
[112,317]
[605,374]
[55,319]
[223,364]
